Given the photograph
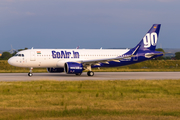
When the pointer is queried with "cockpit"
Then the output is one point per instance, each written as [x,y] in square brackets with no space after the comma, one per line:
[19,55]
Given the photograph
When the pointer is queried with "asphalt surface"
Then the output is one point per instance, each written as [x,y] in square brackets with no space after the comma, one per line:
[97,76]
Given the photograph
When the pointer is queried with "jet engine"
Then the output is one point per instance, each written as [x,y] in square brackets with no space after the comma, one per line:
[73,68]
[55,70]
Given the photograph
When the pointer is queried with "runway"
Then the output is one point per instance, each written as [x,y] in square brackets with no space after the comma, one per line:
[97,76]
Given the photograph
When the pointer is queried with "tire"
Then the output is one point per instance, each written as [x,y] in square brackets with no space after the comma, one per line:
[78,74]
[30,74]
[90,73]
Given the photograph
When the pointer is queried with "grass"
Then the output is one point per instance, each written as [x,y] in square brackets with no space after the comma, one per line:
[132,99]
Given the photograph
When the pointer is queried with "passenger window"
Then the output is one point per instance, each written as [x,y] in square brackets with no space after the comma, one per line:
[22,55]
[19,55]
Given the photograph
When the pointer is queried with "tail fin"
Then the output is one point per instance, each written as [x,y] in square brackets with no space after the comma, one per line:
[149,41]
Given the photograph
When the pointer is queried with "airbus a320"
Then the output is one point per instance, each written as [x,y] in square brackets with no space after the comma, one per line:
[75,61]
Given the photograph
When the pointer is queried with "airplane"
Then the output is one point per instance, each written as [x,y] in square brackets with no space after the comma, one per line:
[75,61]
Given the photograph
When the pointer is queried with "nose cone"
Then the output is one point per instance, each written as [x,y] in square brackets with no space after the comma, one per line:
[11,61]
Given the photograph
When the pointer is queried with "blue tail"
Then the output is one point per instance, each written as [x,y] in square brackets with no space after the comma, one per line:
[149,41]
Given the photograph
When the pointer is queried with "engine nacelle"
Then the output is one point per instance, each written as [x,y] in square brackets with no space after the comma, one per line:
[55,70]
[73,68]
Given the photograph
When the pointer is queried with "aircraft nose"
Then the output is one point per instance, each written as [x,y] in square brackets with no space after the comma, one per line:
[11,61]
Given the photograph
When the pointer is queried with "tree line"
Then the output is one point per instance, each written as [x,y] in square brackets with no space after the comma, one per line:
[177,55]
[7,55]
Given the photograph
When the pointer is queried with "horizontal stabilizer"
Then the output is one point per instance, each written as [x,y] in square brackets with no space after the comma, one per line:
[149,55]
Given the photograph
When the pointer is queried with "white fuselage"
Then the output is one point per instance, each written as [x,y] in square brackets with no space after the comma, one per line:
[43,58]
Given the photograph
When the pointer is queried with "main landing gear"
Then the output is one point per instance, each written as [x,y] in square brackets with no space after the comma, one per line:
[30,72]
[78,74]
[90,73]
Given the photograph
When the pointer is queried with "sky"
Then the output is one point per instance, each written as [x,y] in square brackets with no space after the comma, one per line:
[86,23]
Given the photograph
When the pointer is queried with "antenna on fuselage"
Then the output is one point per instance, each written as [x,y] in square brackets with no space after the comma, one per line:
[77,47]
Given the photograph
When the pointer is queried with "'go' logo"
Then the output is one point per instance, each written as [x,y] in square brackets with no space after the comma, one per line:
[150,39]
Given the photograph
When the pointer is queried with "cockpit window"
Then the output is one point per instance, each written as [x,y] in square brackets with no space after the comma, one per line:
[19,55]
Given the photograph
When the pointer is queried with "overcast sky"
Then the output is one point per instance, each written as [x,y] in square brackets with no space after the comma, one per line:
[86,23]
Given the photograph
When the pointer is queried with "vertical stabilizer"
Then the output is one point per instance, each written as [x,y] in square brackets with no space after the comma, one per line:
[149,41]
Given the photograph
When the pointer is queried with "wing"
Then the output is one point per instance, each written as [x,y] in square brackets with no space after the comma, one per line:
[106,61]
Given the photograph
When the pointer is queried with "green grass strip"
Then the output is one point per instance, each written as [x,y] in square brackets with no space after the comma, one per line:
[155,99]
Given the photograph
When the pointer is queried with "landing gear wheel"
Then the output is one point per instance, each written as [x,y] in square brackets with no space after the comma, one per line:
[78,74]
[30,74]
[90,73]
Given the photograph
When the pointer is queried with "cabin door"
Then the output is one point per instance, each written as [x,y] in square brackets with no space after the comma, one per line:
[32,56]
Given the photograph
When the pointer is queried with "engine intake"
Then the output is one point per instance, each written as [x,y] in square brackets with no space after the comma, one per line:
[73,68]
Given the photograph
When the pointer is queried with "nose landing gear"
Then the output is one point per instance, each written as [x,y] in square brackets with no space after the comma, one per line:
[30,72]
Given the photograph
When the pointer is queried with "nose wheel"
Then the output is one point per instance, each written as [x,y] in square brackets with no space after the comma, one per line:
[30,72]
